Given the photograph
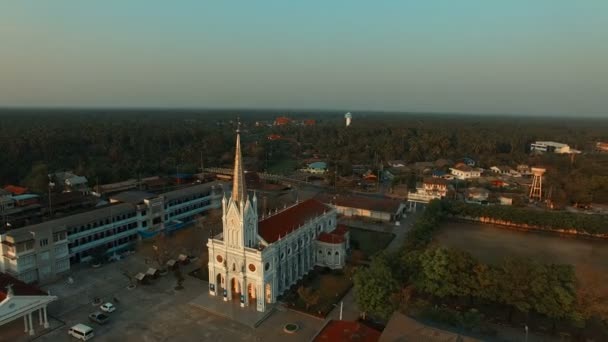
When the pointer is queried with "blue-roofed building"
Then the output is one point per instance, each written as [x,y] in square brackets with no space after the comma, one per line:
[316,167]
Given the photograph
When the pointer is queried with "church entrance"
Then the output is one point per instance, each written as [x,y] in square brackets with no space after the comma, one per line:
[219,285]
[235,287]
[251,295]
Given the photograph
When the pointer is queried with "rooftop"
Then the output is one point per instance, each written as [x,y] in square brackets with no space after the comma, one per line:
[190,190]
[380,204]
[335,236]
[290,219]
[19,288]
[15,190]
[347,331]
[133,197]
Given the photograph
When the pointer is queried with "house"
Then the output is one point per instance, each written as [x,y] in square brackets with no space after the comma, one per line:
[281,121]
[403,328]
[16,190]
[475,194]
[552,147]
[335,330]
[601,146]
[505,200]
[505,170]
[273,137]
[18,299]
[430,189]
[67,181]
[396,163]
[379,208]
[524,170]
[463,172]
[317,168]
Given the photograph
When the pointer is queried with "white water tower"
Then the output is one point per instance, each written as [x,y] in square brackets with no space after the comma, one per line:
[349,117]
[536,190]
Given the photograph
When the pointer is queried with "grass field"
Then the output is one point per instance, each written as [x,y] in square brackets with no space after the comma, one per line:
[283,167]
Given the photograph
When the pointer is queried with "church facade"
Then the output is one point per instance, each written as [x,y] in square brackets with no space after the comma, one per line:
[255,259]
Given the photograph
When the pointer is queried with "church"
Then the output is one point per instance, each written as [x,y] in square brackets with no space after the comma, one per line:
[256,259]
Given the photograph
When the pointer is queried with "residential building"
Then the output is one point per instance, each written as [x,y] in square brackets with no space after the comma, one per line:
[257,259]
[67,181]
[552,147]
[384,209]
[505,200]
[505,170]
[524,170]
[475,194]
[601,146]
[16,190]
[430,189]
[463,172]
[18,299]
[316,168]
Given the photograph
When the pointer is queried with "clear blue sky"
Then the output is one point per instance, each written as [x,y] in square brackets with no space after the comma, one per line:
[516,56]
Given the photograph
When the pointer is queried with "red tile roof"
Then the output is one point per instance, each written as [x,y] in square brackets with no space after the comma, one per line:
[347,331]
[335,236]
[15,190]
[19,288]
[290,219]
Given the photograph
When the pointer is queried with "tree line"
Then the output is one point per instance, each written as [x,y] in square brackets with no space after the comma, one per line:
[583,223]
[110,146]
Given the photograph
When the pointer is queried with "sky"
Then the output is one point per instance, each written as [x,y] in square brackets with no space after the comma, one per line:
[519,56]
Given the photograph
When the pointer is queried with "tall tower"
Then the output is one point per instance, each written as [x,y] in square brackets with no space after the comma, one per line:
[536,190]
[348,117]
[240,215]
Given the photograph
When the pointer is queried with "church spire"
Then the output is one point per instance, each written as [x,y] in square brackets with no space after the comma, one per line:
[239,192]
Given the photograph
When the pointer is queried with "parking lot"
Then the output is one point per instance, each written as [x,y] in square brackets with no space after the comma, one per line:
[154,312]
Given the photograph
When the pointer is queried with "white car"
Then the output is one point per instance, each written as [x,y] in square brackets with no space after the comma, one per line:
[107,307]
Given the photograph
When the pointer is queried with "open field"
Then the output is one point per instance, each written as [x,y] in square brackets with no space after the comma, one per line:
[368,241]
[491,244]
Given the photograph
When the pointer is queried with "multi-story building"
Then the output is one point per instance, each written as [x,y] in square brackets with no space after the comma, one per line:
[430,189]
[41,251]
[552,146]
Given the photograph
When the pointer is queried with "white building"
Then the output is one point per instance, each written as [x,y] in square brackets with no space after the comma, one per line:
[463,172]
[18,300]
[430,189]
[505,170]
[552,146]
[255,260]
[40,252]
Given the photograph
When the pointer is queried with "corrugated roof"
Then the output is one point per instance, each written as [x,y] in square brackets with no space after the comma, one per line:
[290,219]
[133,197]
[362,202]
[191,190]
[75,220]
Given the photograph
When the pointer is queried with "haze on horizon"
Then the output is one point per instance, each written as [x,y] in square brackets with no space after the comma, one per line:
[546,57]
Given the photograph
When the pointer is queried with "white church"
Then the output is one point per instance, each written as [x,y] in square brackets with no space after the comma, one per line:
[255,259]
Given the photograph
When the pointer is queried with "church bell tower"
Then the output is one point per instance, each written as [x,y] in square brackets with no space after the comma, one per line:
[240,214]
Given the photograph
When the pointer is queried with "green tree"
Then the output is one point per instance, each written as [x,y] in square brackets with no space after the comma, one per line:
[37,179]
[374,287]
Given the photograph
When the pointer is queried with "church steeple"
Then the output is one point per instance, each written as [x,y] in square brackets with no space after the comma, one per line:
[239,192]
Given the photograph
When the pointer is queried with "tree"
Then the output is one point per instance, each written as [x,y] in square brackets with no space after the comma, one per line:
[374,287]
[591,294]
[446,273]
[309,296]
[37,179]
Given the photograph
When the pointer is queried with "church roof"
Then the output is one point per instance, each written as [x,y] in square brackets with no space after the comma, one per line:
[335,236]
[19,288]
[290,219]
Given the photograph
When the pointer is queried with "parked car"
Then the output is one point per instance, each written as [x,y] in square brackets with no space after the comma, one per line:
[81,332]
[98,317]
[107,307]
